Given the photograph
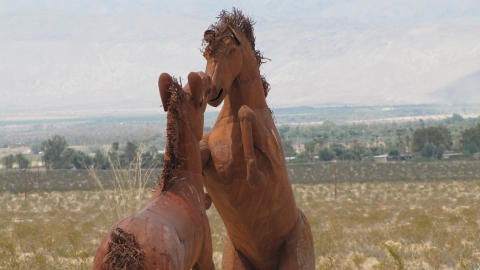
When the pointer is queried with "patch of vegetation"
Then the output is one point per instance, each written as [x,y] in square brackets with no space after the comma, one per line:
[424,224]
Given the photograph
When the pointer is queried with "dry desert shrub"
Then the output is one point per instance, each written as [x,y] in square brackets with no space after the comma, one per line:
[52,231]
[427,225]
[129,182]
[395,225]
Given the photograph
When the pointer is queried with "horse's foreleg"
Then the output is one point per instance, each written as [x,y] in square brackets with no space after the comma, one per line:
[205,258]
[232,259]
[205,153]
[251,132]
[205,261]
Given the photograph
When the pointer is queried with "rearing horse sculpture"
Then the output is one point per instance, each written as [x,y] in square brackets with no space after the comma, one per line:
[243,161]
[172,231]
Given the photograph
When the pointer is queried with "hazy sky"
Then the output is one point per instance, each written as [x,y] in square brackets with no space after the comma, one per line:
[61,54]
[377,12]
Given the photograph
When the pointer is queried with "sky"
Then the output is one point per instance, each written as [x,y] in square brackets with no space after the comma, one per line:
[378,12]
[58,55]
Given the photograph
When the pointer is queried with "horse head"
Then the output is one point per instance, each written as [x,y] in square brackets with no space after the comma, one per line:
[229,47]
[190,102]
[223,65]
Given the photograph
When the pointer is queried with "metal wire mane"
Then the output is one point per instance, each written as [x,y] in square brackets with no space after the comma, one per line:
[223,40]
[172,161]
[265,85]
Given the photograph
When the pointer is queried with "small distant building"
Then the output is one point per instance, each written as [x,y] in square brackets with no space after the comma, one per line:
[288,159]
[381,159]
[38,163]
[451,155]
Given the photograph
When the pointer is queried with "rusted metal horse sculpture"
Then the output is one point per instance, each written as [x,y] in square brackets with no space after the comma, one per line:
[243,160]
[172,230]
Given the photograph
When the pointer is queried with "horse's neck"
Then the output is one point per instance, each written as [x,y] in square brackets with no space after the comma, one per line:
[245,90]
[183,146]
[188,149]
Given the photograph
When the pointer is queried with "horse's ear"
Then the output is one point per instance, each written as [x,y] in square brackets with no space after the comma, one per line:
[237,38]
[164,83]
[197,88]
[209,35]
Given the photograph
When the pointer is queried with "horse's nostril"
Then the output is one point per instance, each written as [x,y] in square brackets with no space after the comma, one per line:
[218,94]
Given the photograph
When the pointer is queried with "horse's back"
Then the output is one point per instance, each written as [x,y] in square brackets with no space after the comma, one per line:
[165,235]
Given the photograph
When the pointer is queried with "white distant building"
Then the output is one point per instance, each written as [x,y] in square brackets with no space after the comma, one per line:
[380,159]
[287,159]
[451,155]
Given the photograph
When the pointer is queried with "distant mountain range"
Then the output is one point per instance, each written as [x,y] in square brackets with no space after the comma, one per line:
[91,55]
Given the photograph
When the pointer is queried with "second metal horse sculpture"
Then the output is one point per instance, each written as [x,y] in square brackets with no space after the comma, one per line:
[243,161]
[172,231]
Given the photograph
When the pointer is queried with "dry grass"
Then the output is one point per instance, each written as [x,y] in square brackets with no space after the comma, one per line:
[52,231]
[414,225]
[377,225]
[129,186]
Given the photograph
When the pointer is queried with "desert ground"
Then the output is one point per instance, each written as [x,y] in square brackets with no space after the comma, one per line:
[428,224]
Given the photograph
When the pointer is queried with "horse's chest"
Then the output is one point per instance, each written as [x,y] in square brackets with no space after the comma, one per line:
[227,151]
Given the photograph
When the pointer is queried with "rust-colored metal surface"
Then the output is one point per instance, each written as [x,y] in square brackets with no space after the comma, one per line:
[172,230]
[243,162]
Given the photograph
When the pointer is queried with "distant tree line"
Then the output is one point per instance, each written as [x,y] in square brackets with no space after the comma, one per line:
[354,142]
[423,139]
[57,155]
[471,139]
[19,159]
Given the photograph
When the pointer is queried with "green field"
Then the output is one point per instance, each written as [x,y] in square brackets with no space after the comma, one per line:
[17,135]
[423,223]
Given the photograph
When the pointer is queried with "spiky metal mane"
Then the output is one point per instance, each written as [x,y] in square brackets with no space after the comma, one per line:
[237,20]
[172,160]
[265,85]
[222,41]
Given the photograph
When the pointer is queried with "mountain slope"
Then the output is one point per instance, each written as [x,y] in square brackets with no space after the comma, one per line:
[323,53]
